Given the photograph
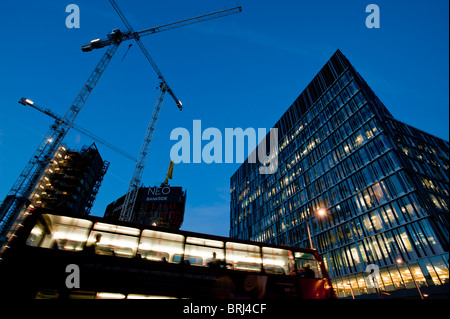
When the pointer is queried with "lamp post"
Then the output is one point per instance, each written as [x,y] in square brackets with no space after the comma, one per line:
[351,289]
[401,261]
[320,212]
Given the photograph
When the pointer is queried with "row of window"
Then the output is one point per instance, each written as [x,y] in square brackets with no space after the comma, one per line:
[422,164]
[328,100]
[425,163]
[414,240]
[366,199]
[318,89]
[350,225]
[348,167]
[329,95]
[376,221]
[439,202]
[302,132]
[420,140]
[274,197]
[434,186]
[380,192]
[274,221]
[358,139]
[428,157]
[74,234]
[328,135]
[334,156]
[347,211]
[425,272]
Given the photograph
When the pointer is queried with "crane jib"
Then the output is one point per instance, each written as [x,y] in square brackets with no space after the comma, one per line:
[98,43]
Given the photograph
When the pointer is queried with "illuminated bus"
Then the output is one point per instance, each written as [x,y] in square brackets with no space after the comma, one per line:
[112,259]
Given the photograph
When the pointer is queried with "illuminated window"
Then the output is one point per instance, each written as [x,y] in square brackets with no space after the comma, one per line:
[435,201]
[278,261]
[406,277]
[440,268]
[376,220]
[243,256]
[396,278]
[200,251]
[109,295]
[161,246]
[61,232]
[114,240]
[355,255]
[305,260]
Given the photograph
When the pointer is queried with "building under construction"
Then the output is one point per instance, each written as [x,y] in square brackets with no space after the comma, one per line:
[27,191]
[71,181]
[158,206]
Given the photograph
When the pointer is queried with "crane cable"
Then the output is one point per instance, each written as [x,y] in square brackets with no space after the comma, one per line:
[126,52]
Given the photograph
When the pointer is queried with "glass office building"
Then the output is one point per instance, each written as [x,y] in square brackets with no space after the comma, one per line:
[382,184]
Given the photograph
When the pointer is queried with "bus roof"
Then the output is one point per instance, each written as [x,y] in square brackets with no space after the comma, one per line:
[38,211]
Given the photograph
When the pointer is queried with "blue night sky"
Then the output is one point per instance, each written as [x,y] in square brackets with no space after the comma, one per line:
[243,70]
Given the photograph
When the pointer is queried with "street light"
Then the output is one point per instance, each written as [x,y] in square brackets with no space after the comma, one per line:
[400,261]
[320,212]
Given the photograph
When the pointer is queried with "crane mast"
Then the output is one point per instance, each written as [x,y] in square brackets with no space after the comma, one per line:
[127,211]
[130,199]
[22,189]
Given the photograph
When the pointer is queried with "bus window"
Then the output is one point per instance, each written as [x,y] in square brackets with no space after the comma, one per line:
[109,295]
[114,240]
[61,232]
[188,260]
[277,261]
[202,252]
[243,257]
[305,261]
[117,229]
[160,246]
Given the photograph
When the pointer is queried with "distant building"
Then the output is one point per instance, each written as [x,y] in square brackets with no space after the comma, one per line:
[161,206]
[71,181]
[381,185]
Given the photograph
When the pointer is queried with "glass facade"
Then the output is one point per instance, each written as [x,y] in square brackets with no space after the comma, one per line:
[383,185]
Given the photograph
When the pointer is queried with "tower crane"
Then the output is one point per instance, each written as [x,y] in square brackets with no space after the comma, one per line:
[76,127]
[11,209]
[126,213]
[131,34]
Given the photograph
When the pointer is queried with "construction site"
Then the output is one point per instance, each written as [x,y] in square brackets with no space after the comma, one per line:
[71,181]
[66,180]
[92,205]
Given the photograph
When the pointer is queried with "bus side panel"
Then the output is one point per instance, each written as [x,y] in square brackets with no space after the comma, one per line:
[312,288]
